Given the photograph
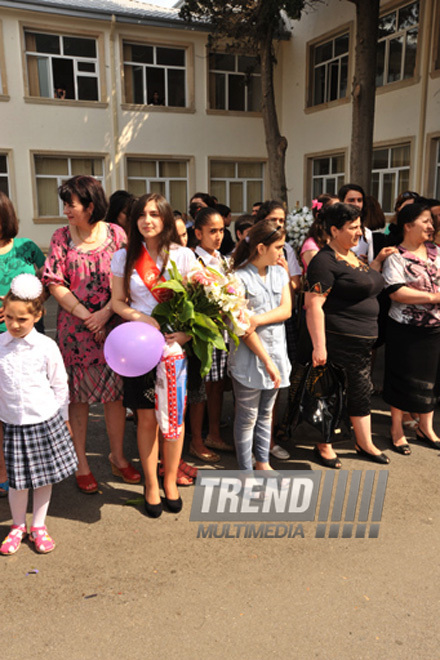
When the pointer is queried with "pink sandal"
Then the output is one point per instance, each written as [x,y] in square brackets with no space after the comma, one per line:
[41,539]
[13,540]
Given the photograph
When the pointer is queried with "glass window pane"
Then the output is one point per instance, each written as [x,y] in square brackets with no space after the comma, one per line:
[323,52]
[178,195]
[341,44]
[380,64]
[155,85]
[79,46]
[62,70]
[338,164]
[134,84]
[3,164]
[172,168]
[170,56]
[136,187]
[222,61]
[321,166]
[380,159]
[319,86]
[146,168]
[248,64]
[222,169]
[400,156]
[236,92]
[409,16]
[333,83]
[138,53]
[158,187]
[57,166]
[46,43]
[249,170]
[90,166]
[87,89]
[176,88]
[330,185]
[403,181]
[254,94]
[88,67]
[217,91]
[387,25]
[218,189]
[410,54]
[344,78]
[316,187]
[236,197]
[4,185]
[375,184]
[395,59]
[254,193]
[47,194]
[388,192]
[340,181]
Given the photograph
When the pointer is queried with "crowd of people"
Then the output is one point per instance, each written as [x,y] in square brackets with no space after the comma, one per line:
[354,285]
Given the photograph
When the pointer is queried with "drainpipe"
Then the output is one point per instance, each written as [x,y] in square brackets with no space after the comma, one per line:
[114,105]
[425,43]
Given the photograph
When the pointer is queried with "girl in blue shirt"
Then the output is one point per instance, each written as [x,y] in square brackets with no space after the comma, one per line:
[260,365]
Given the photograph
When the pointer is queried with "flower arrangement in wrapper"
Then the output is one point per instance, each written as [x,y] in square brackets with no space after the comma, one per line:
[298,223]
[206,305]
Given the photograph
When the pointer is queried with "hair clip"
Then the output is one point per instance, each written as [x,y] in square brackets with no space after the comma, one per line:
[316,205]
[246,238]
[26,287]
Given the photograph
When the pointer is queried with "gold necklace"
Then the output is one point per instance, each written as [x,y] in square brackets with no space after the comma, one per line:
[88,242]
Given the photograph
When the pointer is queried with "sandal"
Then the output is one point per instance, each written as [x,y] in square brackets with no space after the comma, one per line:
[13,540]
[183,478]
[206,456]
[41,539]
[189,470]
[87,483]
[4,488]
[220,445]
[129,474]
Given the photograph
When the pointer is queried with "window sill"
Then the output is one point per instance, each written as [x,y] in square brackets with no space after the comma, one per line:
[326,106]
[5,97]
[70,102]
[135,107]
[398,84]
[233,113]
[435,73]
[50,220]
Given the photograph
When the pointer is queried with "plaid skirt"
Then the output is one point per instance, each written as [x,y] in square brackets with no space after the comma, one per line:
[38,454]
[218,368]
[94,384]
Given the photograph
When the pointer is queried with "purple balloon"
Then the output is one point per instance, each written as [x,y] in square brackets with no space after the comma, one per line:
[133,348]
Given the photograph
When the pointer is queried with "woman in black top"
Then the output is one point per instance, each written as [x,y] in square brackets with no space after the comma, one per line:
[341,310]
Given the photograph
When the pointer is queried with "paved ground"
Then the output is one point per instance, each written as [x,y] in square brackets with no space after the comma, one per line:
[122,585]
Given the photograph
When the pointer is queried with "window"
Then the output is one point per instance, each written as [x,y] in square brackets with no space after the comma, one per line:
[328,174]
[4,175]
[167,177]
[437,172]
[329,65]
[62,66]
[234,82]
[397,46]
[237,184]
[390,175]
[52,171]
[154,75]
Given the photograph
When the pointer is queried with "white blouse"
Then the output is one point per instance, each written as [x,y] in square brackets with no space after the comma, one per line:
[141,298]
[33,379]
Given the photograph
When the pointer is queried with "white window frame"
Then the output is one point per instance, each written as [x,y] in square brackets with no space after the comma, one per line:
[237,179]
[390,37]
[6,175]
[77,60]
[397,170]
[165,67]
[227,73]
[61,178]
[158,178]
[338,177]
[335,58]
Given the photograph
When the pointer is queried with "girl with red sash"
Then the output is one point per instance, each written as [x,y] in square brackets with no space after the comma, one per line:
[153,241]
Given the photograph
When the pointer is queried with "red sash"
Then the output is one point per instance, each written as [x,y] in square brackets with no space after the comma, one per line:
[149,274]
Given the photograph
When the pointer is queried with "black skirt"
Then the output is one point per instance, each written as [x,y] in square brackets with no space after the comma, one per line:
[412,367]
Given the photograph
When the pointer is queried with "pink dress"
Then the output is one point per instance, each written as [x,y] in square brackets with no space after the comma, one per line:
[86,273]
[309,244]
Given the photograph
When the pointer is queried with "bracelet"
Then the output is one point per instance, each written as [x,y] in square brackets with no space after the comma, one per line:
[75,306]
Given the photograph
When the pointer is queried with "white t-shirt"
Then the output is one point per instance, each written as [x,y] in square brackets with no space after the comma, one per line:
[292,261]
[141,298]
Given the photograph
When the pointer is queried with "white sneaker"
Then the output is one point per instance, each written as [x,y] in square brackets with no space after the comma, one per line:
[280,453]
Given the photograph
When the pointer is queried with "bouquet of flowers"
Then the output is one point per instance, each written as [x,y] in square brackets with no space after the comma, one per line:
[298,223]
[205,305]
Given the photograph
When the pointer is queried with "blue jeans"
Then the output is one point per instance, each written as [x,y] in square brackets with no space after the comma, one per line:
[252,424]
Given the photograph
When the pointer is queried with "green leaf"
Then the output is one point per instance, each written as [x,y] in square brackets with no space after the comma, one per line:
[187,311]
[174,285]
[203,350]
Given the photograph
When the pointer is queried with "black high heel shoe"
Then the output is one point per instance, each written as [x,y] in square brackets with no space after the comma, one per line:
[153,510]
[375,458]
[173,506]
[434,444]
[334,463]
[404,449]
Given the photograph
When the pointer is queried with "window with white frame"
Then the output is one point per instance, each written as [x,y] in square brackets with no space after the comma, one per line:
[390,174]
[328,174]
[154,75]
[397,45]
[329,69]
[4,174]
[237,184]
[234,82]
[167,177]
[52,171]
[62,66]
[437,172]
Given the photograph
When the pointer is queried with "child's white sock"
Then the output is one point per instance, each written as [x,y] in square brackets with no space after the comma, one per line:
[41,498]
[18,500]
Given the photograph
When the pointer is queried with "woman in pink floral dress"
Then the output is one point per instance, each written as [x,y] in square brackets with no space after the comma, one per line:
[77,271]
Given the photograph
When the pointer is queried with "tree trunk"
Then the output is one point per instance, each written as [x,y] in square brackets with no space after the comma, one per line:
[276,144]
[364,92]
